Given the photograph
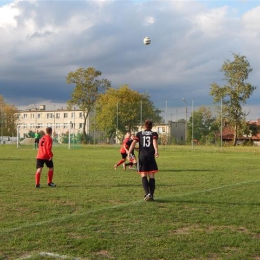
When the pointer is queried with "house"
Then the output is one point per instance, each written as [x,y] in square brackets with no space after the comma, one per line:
[61,120]
[228,134]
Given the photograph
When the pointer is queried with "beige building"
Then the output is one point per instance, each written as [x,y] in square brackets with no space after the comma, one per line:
[62,121]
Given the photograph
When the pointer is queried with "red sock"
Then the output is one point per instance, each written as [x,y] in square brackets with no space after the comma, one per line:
[50,176]
[37,178]
[120,162]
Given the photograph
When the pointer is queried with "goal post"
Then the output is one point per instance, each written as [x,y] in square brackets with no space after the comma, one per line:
[59,130]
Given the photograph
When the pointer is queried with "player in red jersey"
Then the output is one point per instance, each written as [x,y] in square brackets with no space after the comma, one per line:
[148,150]
[44,156]
[123,150]
[132,158]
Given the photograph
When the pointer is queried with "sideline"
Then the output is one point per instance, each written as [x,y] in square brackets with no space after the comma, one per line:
[68,216]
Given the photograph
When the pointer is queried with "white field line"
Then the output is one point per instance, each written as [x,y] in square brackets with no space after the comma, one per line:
[49,254]
[65,217]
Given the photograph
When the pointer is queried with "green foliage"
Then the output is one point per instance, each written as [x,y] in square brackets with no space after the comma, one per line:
[124,109]
[30,134]
[206,205]
[78,138]
[204,125]
[8,117]
[235,93]
[86,92]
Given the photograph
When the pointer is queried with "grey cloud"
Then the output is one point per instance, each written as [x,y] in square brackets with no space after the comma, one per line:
[55,37]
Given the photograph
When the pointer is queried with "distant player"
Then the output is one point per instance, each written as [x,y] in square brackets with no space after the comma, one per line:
[148,150]
[44,156]
[37,137]
[123,150]
[132,159]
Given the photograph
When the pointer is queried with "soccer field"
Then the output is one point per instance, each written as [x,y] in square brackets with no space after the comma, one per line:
[207,205]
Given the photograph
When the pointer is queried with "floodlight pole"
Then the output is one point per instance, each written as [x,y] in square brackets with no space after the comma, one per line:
[186,112]
[141,113]
[54,123]
[192,126]
[117,123]
[221,126]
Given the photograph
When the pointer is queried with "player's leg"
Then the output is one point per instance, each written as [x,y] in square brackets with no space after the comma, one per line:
[50,173]
[152,169]
[39,166]
[151,184]
[124,155]
[143,172]
[145,184]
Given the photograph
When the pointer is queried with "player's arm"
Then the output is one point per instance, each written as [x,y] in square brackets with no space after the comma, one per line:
[132,147]
[125,147]
[155,145]
[49,148]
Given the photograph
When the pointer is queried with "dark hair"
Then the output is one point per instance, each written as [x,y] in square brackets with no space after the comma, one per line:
[148,124]
[48,130]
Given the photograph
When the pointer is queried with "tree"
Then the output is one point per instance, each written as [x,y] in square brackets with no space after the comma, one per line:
[235,93]
[204,126]
[8,117]
[86,92]
[121,110]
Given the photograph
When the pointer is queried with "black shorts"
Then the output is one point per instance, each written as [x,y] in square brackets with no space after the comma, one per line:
[124,155]
[147,164]
[40,163]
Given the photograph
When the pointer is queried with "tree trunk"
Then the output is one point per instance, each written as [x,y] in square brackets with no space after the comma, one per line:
[84,128]
[235,136]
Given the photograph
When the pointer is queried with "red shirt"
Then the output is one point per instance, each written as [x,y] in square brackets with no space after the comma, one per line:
[122,149]
[45,148]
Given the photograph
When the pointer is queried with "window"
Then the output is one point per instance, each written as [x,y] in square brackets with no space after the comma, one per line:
[65,115]
[32,116]
[72,115]
[24,116]
[49,115]
[80,115]
[39,115]
[80,125]
[57,115]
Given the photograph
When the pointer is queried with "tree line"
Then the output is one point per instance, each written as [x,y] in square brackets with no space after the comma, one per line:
[118,110]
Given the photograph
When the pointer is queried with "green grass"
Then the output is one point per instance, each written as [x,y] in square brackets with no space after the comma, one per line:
[207,205]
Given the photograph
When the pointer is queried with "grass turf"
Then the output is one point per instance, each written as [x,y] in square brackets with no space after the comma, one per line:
[207,205]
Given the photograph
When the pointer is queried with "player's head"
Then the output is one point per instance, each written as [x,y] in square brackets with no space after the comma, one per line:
[148,124]
[49,130]
[132,136]
[42,133]
[127,135]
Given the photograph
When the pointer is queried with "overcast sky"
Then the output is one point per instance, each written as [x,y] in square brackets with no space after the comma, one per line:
[42,41]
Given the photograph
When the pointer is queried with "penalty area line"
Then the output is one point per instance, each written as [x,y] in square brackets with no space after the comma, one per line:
[69,216]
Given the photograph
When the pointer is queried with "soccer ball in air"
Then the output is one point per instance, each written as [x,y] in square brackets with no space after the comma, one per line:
[147,40]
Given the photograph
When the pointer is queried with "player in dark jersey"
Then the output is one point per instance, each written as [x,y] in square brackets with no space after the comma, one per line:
[148,150]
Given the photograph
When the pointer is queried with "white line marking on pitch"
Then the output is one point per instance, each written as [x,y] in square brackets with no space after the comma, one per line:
[8,230]
[49,254]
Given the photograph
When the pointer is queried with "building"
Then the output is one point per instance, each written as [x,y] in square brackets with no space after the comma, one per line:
[61,120]
[171,133]
[64,121]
